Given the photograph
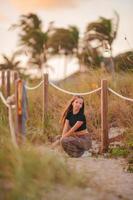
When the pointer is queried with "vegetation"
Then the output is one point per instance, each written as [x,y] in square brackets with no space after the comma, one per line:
[64,40]
[39,44]
[33,39]
[124,61]
[10,63]
[98,32]
[119,151]
[28,174]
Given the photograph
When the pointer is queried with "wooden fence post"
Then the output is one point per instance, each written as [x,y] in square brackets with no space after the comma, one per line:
[3,81]
[45,93]
[15,76]
[8,84]
[16,109]
[45,97]
[104,117]
[18,99]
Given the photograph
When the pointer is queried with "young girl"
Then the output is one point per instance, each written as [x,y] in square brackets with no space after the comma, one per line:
[75,138]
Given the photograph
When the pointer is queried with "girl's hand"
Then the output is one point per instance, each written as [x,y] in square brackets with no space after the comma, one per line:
[63,136]
[67,134]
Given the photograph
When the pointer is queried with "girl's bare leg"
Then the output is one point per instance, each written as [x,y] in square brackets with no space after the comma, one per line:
[56,143]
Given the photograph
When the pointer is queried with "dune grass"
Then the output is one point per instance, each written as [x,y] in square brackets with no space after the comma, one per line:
[25,173]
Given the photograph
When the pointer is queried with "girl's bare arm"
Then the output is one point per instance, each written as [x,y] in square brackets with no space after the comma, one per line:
[80,133]
[66,127]
[72,130]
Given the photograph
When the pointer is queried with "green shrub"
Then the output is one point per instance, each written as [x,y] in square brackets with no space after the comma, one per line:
[119,152]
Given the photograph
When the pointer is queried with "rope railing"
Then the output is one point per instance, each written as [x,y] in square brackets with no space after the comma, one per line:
[4,100]
[62,90]
[35,87]
[12,130]
[74,93]
[119,95]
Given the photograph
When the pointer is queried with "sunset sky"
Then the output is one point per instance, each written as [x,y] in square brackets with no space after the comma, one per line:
[64,13]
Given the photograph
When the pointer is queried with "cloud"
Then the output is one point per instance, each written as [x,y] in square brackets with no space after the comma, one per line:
[32,5]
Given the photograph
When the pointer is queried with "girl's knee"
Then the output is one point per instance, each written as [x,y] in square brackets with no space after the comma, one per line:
[64,141]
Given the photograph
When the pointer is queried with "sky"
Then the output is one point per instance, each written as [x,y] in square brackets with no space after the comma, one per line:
[64,13]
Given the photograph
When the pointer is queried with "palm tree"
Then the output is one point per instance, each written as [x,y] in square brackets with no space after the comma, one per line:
[103,29]
[64,41]
[75,35]
[100,31]
[10,63]
[32,39]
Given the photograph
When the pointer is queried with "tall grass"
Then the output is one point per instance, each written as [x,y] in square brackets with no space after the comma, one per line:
[120,112]
[28,174]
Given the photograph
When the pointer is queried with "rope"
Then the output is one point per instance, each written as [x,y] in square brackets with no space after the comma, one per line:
[73,93]
[119,95]
[35,87]
[4,100]
[10,119]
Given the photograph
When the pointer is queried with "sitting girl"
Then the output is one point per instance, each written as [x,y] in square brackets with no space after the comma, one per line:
[75,138]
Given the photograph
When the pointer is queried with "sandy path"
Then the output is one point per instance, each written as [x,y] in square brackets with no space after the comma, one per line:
[106,180]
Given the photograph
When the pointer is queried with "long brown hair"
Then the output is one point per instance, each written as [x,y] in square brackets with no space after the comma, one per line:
[69,108]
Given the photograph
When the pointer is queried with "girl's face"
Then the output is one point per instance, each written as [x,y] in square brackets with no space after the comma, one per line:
[77,104]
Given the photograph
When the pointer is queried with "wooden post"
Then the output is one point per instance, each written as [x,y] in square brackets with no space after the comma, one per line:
[15,76]
[45,97]
[18,93]
[8,83]
[104,120]
[16,109]
[45,93]
[3,81]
